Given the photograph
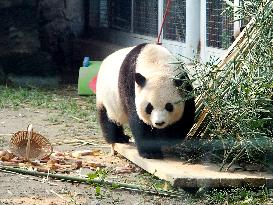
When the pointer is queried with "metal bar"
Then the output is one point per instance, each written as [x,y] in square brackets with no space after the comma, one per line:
[192,27]
[237,24]
[132,16]
[203,30]
[160,18]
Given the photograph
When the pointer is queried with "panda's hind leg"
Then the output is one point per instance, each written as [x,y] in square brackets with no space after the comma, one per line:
[112,132]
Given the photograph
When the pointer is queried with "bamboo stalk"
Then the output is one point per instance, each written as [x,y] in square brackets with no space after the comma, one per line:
[119,185]
[245,41]
[228,155]
[235,159]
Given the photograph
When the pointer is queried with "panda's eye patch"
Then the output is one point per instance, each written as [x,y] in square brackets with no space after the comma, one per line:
[149,108]
[169,107]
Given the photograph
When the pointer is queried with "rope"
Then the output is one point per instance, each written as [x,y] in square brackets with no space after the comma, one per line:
[167,11]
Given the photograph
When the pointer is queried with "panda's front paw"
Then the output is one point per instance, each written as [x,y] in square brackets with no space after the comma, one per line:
[122,139]
[151,155]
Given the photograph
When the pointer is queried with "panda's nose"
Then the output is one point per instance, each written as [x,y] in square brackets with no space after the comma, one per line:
[160,123]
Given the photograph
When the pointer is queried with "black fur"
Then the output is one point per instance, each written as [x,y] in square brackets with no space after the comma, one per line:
[126,81]
[111,131]
[140,79]
[169,107]
[149,108]
[149,141]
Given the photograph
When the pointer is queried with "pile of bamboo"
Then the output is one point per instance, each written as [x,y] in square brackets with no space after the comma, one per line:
[244,42]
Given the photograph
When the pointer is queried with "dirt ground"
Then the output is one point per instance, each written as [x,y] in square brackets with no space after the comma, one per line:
[68,135]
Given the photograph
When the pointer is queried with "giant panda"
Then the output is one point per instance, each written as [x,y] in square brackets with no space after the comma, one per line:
[139,85]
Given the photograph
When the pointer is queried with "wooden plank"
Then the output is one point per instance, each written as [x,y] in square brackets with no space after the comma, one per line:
[186,175]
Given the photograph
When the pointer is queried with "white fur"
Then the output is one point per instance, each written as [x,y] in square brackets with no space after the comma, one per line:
[107,86]
[158,91]
[154,64]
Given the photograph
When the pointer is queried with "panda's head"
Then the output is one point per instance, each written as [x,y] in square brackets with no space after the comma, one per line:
[158,101]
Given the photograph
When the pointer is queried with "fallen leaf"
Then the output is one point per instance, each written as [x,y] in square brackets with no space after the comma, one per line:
[3,153]
[45,159]
[52,164]
[96,152]
[78,154]
[17,160]
[125,170]
[58,154]
[6,156]
[93,165]
[42,169]
[76,165]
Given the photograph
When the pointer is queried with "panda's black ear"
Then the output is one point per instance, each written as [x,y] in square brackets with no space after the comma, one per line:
[178,82]
[180,79]
[140,79]
[183,80]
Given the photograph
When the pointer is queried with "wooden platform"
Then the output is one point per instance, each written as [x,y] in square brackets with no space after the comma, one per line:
[185,175]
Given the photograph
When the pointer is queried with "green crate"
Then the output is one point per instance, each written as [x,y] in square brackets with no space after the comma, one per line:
[86,74]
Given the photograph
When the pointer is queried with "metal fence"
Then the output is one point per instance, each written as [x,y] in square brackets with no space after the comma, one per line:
[175,26]
[219,27]
[120,15]
[145,17]
[103,13]
[141,17]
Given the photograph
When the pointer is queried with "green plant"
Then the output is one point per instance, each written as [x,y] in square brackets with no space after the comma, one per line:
[236,93]
[101,175]
[60,99]
[225,39]
[153,182]
[240,196]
